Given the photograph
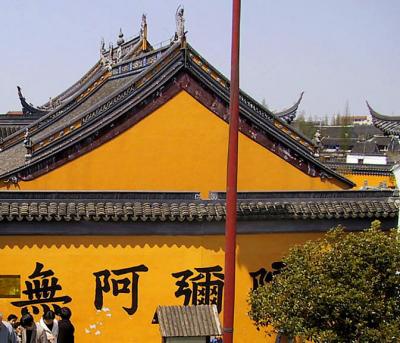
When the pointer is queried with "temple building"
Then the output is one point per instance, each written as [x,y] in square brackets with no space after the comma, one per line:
[365,154]
[112,196]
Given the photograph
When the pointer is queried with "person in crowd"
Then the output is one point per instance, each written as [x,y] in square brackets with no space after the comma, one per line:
[13,320]
[7,334]
[50,326]
[32,333]
[65,328]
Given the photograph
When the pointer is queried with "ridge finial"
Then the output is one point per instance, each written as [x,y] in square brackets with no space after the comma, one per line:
[102,46]
[180,23]
[27,144]
[120,39]
[143,32]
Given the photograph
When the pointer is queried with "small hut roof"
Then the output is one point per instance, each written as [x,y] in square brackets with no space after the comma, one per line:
[188,321]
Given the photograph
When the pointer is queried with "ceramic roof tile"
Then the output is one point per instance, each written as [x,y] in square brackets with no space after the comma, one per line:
[316,207]
[188,321]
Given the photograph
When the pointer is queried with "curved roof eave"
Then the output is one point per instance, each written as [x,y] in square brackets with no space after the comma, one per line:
[289,114]
[29,109]
[278,133]
[382,117]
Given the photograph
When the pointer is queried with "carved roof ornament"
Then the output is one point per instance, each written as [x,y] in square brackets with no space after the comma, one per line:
[119,54]
[289,114]
[110,57]
[103,52]
[102,46]
[143,32]
[111,51]
[180,23]
[28,108]
[317,141]
[27,144]
[120,39]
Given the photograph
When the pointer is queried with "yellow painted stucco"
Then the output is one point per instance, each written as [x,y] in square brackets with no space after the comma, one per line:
[182,146]
[74,259]
[362,180]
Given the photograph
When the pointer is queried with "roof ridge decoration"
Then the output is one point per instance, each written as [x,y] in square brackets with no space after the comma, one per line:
[50,116]
[102,47]
[390,125]
[27,145]
[263,113]
[40,148]
[180,24]
[140,46]
[75,87]
[172,69]
[289,114]
[143,32]
[120,40]
[29,109]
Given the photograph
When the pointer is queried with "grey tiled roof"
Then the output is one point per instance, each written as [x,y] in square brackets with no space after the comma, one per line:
[355,168]
[8,130]
[105,90]
[125,98]
[317,205]
[188,321]
[390,125]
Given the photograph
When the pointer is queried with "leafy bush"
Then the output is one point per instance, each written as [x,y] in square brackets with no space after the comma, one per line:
[344,287]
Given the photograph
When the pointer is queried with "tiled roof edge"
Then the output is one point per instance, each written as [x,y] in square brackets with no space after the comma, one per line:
[187,211]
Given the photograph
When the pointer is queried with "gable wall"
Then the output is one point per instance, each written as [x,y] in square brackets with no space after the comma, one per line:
[182,146]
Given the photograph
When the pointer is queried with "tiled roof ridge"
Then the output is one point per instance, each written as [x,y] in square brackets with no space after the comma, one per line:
[262,117]
[51,116]
[99,104]
[74,88]
[118,95]
[89,81]
[289,145]
[320,194]
[374,169]
[259,108]
[197,210]
[121,94]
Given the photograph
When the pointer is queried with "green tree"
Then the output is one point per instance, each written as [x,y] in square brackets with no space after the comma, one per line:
[304,125]
[344,287]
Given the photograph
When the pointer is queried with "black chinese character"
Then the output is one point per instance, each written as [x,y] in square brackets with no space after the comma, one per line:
[41,290]
[124,285]
[205,288]
[261,276]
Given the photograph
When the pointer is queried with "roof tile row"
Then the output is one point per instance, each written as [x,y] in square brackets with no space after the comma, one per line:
[199,211]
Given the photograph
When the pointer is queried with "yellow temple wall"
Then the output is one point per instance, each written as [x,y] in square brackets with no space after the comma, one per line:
[182,146]
[74,259]
[372,180]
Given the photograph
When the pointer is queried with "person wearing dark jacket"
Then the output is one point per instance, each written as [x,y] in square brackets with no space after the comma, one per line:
[32,333]
[65,328]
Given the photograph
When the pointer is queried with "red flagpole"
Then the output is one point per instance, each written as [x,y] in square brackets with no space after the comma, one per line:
[231,184]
